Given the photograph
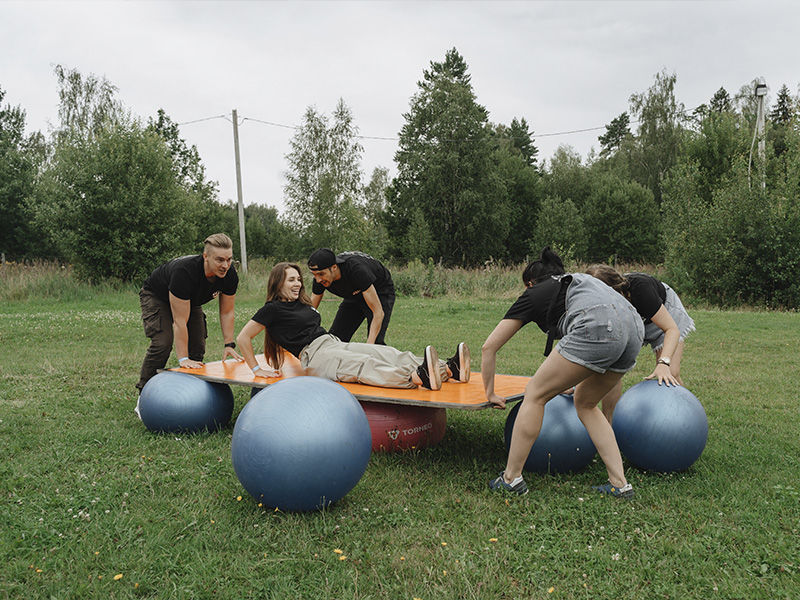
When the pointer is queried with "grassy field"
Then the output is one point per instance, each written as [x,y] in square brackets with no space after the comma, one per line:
[92,505]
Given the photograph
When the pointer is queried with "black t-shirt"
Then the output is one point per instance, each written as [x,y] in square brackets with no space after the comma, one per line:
[534,303]
[359,271]
[293,325]
[185,277]
[647,293]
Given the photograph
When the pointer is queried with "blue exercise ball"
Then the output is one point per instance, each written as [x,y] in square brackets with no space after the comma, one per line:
[180,403]
[563,444]
[301,444]
[660,428]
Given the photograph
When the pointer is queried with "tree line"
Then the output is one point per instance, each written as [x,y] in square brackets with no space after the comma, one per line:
[690,190]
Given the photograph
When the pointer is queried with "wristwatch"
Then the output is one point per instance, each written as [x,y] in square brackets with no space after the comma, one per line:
[233,345]
[663,361]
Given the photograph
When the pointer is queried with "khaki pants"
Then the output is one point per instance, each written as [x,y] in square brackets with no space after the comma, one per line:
[353,362]
[157,319]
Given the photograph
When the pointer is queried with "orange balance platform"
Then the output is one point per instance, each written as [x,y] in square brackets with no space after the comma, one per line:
[468,396]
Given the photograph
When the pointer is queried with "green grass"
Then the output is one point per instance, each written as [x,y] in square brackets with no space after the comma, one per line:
[87,493]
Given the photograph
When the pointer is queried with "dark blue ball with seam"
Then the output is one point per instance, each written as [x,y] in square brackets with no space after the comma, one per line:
[660,428]
[301,444]
[563,444]
[181,403]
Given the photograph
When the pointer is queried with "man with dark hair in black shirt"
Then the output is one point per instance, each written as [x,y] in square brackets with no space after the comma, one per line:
[364,283]
[172,298]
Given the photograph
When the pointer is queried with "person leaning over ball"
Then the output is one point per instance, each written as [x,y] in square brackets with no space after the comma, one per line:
[172,298]
[600,337]
[666,324]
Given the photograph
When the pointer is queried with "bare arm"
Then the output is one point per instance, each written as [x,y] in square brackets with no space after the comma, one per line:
[226,304]
[374,303]
[504,331]
[316,299]
[672,336]
[180,317]
[245,342]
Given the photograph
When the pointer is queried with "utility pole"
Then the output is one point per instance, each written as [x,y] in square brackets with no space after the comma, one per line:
[761,92]
[242,241]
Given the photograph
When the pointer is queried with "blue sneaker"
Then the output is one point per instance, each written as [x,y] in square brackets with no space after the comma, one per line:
[499,485]
[625,492]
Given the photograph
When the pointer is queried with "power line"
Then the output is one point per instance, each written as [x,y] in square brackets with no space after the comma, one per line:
[206,119]
[534,135]
[269,123]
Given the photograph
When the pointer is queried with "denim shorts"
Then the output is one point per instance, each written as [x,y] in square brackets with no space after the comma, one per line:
[654,335]
[603,337]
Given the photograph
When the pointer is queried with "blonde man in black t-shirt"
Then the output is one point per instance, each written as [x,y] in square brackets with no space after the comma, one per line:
[172,298]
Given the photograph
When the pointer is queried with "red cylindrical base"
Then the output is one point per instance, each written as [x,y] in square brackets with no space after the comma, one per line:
[400,427]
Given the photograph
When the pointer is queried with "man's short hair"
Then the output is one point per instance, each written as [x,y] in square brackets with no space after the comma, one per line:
[218,240]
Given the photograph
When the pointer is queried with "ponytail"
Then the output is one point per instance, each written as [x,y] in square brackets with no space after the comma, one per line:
[549,263]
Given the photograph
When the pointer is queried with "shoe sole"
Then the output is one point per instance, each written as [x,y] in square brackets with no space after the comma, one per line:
[432,364]
[464,362]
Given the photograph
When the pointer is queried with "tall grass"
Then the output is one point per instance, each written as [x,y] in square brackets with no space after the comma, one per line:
[432,280]
[92,505]
[45,280]
[50,280]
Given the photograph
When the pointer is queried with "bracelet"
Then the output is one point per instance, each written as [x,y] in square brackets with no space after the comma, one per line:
[180,360]
[256,368]
[230,345]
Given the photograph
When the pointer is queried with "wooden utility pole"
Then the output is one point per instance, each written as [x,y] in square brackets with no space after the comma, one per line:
[242,236]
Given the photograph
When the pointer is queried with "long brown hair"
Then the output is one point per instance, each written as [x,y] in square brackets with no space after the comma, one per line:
[611,277]
[277,277]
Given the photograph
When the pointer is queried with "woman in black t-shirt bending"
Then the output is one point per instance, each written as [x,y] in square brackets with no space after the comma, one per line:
[666,324]
[600,336]
[290,322]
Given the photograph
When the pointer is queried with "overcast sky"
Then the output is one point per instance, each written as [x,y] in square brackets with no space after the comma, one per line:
[563,66]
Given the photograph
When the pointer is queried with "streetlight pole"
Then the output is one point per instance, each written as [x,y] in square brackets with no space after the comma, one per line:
[761,92]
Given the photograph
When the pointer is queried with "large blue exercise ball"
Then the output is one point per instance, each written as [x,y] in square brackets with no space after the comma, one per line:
[563,444]
[176,402]
[301,444]
[660,428]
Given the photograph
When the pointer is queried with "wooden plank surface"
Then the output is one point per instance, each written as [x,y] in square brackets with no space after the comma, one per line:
[468,396]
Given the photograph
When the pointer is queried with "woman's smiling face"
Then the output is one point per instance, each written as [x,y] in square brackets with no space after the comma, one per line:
[292,284]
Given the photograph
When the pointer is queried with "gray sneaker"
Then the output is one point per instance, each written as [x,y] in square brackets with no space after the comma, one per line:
[499,485]
[625,492]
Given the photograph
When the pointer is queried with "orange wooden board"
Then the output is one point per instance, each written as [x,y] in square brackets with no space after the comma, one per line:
[469,396]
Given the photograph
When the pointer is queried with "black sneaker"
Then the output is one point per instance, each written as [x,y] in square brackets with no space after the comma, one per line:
[428,371]
[459,364]
[500,485]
